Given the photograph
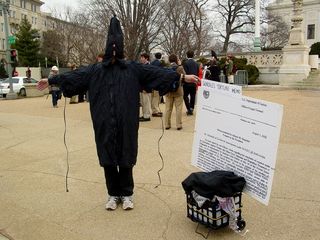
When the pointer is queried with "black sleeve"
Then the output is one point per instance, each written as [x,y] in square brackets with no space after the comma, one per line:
[74,82]
[160,79]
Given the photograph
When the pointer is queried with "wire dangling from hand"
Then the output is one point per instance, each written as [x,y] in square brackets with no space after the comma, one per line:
[65,142]
[162,161]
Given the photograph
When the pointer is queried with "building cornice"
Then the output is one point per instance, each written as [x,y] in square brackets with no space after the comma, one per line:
[275,6]
[38,1]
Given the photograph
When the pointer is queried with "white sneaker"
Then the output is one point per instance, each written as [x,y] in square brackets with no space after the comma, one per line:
[112,203]
[127,202]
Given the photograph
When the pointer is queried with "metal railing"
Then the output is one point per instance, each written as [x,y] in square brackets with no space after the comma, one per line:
[240,78]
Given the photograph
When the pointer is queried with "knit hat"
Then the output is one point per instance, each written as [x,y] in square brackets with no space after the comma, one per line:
[54,68]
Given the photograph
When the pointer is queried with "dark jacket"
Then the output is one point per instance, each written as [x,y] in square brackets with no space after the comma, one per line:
[191,67]
[214,73]
[114,103]
[156,62]
[215,183]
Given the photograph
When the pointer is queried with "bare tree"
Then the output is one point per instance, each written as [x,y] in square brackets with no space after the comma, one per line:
[274,30]
[186,28]
[200,24]
[275,33]
[175,25]
[81,41]
[141,21]
[88,41]
[237,16]
[175,32]
[53,47]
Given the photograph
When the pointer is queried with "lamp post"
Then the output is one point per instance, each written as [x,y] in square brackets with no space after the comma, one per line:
[4,7]
[257,41]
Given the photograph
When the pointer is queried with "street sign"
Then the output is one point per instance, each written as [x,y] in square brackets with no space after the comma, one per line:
[12,39]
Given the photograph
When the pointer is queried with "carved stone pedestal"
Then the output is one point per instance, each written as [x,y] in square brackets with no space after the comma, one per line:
[295,67]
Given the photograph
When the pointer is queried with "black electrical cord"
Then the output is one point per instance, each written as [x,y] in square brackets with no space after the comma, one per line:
[162,161]
[65,142]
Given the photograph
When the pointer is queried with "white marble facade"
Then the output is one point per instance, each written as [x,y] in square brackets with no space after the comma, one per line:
[310,13]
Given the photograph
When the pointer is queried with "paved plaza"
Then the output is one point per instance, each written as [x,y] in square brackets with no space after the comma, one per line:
[34,204]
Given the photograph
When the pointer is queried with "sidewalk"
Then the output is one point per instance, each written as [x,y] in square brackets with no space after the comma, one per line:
[35,206]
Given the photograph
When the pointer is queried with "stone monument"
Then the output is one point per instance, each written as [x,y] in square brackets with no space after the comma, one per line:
[295,67]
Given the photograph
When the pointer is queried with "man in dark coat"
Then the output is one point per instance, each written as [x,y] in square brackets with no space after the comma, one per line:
[155,97]
[190,89]
[114,86]
[157,61]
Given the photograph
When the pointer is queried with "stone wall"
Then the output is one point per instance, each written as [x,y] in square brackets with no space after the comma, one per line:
[268,64]
[35,72]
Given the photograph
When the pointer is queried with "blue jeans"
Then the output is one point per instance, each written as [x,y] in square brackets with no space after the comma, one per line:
[56,95]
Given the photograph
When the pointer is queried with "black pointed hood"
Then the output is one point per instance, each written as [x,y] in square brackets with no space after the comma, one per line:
[115,45]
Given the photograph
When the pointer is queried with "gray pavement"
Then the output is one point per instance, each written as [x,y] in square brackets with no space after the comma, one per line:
[35,206]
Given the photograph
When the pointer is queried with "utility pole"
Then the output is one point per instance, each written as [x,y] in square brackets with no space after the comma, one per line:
[4,7]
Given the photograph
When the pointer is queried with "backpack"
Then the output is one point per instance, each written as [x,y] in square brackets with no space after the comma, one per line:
[174,68]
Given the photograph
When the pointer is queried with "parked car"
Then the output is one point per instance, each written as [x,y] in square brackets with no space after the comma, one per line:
[18,85]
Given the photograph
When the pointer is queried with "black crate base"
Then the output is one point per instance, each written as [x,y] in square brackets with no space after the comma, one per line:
[211,215]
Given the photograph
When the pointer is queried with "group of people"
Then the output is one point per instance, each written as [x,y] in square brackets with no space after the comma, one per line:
[214,70]
[150,98]
[187,91]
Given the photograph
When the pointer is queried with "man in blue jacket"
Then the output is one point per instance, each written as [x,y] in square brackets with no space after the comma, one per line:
[155,97]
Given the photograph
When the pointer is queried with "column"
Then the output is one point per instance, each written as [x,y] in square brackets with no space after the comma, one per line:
[257,42]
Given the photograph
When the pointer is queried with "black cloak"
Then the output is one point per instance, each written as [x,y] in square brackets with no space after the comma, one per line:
[114,87]
[208,184]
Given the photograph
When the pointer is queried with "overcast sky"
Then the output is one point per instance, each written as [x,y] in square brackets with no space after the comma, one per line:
[58,4]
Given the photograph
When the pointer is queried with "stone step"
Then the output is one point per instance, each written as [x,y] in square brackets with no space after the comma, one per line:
[309,81]
[313,80]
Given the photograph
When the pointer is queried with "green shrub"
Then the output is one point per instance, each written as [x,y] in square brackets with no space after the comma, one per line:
[164,63]
[240,63]
[315,49]
[203,60]
[221,62]
[253,73]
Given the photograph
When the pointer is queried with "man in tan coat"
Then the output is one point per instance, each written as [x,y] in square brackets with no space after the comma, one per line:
[174,98]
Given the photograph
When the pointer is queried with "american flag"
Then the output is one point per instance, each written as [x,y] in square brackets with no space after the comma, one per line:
[42,84]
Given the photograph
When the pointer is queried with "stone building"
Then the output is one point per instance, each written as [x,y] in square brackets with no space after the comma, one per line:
[20,9]
[310,13]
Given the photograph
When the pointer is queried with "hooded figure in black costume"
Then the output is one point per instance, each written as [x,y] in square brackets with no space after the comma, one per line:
[114,86]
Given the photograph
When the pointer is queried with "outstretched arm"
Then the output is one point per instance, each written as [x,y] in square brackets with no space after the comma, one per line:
[71,83]
[191,78]
[161,79]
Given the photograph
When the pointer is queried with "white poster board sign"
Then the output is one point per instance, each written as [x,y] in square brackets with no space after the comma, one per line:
[239,134]
[223,88]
